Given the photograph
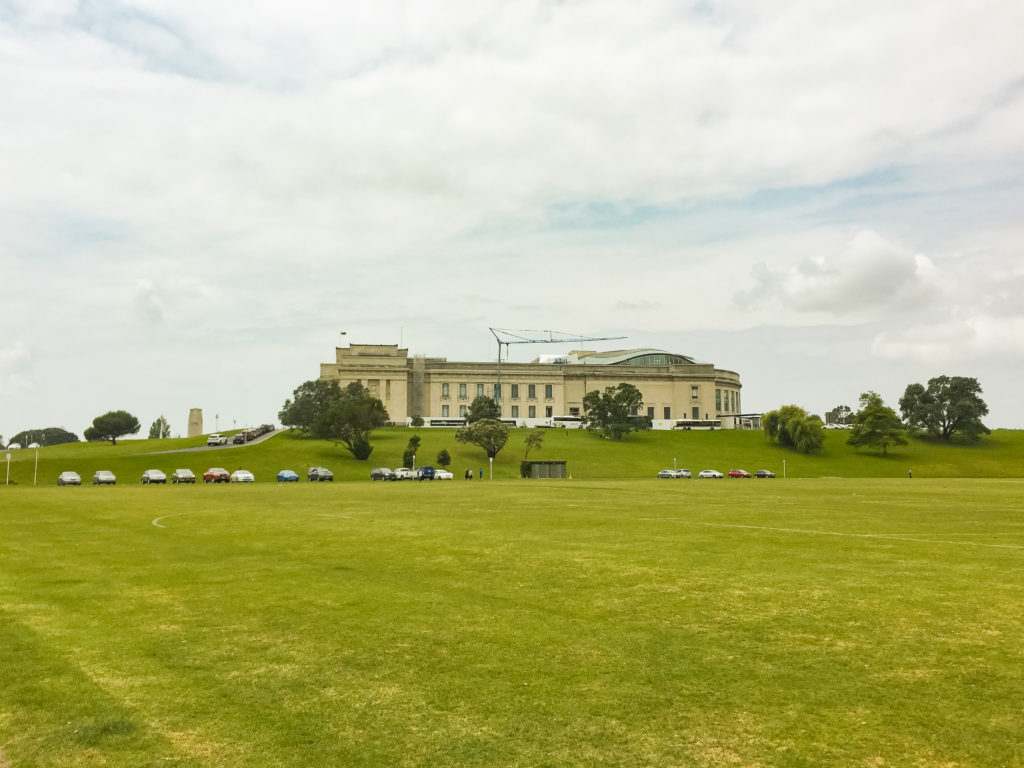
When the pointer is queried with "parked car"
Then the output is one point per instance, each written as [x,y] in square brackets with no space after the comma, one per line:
[738,473]
[764,473]
[245,436]
[104,477]
[320,474]
[381,473]
[710,473]
[443,474]
[69,478]
[217,439]
[424,473]
[667,474]
[152,476]
[287,476]
[183,476]
[242,476]
[404,473]
[216,475]
[683,473]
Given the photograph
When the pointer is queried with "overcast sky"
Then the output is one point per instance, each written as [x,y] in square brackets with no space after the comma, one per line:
[197,197]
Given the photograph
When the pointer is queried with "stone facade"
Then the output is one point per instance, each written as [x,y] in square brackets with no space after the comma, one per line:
[195,422]
[676,388]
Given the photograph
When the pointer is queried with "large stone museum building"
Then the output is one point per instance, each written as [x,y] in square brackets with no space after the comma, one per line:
[678,390]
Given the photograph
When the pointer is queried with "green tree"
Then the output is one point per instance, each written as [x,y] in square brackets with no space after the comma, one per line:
[876,424]
[159,429]
[489,434]
[409,456]
[416,421]
[794,428]
[47,436]
[351,419]
[533,440]
[614,411]
[112,425]
[444,458]
[311,402]
[841,414]
[483,407]
[949,405]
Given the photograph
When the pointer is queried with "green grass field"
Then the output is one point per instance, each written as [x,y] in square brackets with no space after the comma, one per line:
[589,456]
[617,622]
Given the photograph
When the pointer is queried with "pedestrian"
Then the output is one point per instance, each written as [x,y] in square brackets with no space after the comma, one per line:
[481,474]
[910,473]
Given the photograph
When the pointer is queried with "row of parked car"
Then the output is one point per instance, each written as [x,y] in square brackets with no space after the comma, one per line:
[187,476]
[404,473]
[712,474]
[239,438]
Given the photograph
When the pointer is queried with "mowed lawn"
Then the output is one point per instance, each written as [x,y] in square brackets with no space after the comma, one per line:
[515,623]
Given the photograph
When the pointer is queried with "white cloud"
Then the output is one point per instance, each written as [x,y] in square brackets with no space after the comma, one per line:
[973,338]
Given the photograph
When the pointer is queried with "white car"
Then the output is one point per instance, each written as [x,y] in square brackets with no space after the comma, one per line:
[153,476]
[443,474]
[712,473]
[242,476]
[217,439]
[69,478]
[404,473]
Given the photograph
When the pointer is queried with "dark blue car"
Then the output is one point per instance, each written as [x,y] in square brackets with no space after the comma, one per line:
[287,476]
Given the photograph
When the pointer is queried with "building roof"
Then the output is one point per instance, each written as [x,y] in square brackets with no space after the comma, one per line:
[641,356]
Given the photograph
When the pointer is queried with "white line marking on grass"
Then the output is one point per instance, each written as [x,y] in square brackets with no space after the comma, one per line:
[156,520]
[884,536]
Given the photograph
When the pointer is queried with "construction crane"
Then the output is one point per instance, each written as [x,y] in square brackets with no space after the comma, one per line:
[508,336]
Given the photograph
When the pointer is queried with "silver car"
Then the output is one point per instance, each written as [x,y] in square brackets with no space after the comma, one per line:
[153,476]
[69,478]
[710,473]
[104,477]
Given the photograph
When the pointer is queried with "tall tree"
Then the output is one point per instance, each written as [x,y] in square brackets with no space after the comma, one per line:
[949,405]
[876,424]
[47,436]
[311,402]
[615,412]
[841,414]
[159,429]
[792,426]
[351,419]
[489,434]
[409,456]
[444,458]
[483,407]
[112,425]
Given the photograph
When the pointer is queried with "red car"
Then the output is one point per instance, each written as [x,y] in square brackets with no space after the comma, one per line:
[738,473]
[216,475]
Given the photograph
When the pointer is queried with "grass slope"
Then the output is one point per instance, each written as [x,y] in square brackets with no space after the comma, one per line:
[597,622]
[590,457]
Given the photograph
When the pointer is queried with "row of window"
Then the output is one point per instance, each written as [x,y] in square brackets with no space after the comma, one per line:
[531,411]
[731,400]
[531,390]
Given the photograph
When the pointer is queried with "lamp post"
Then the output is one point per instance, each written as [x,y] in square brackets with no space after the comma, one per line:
[783,469]
[673,463]
[35,471]
[491,460]
[8,468]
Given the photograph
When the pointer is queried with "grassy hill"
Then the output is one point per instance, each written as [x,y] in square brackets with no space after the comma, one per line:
[641,455]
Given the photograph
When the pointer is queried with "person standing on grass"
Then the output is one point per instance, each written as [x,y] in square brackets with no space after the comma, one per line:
[910,473]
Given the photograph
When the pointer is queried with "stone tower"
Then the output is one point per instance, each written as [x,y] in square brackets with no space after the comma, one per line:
[195,422]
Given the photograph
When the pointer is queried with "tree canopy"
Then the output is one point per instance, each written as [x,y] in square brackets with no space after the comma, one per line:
[47,436]
[310,403]
[876,424]
[793,427]
[841,414]
[159,429]
[112,425]
[534,440]
[489,434]
[351,419]
[615,411]
[483,407]
[948,406]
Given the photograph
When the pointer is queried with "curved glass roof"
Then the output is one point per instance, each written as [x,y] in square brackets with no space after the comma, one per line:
[644,356]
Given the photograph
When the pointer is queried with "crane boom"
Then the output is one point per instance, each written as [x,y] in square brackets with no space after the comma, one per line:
[519,336]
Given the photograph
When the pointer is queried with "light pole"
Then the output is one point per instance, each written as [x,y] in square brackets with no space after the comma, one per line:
[491,460]
[673,463]
[8,468]
[783,469]
[35,471]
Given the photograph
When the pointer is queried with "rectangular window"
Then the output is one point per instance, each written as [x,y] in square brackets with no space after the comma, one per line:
[574,411]
[548,391]
[444,411]
[462,411]
[497,391]
[531,391]
[650,411]
[515,391]
[444,389]
[531,411]
[668,412]
[696,412]
[515,411]
[462,389]
[718,399]
[547,411]
[694,392]
[479,389]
